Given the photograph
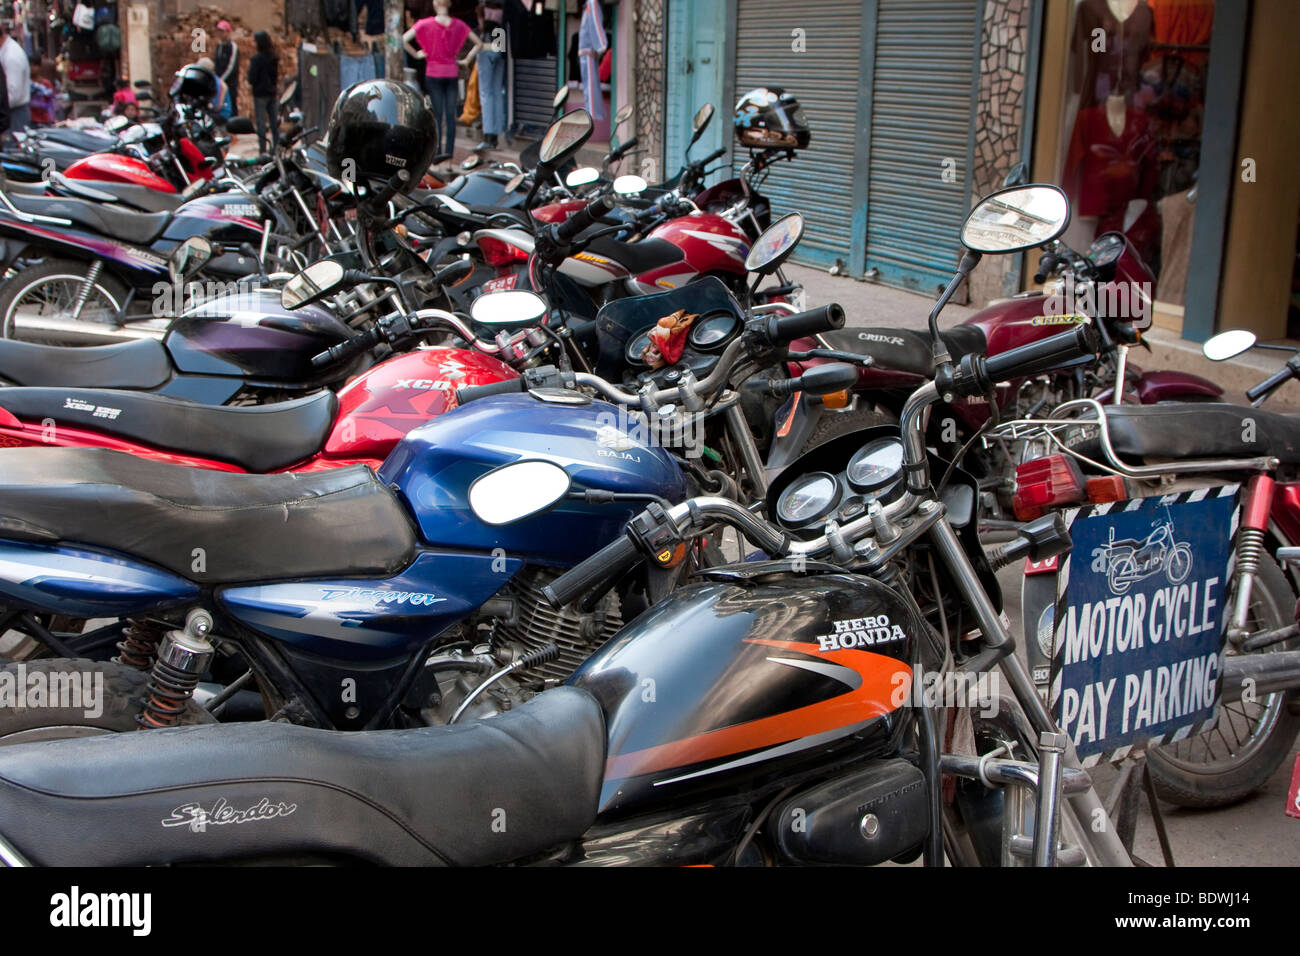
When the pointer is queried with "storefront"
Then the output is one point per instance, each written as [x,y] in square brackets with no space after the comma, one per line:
[1173,122]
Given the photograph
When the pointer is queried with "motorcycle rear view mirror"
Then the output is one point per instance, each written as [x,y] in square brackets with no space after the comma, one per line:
[560,98]
[315,282]
[517,491]
[239,124]
[582,176]
[469,163]
[1225,345]
[774,246]
[629,185]
[116,123]
[623,115]
[515,182]
[189,257]
[565,137]
[290,91]
[700,123]
[1015,219]
[507,311]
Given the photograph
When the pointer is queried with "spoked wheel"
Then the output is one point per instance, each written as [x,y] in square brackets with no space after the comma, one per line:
[1237,756]
[37,304]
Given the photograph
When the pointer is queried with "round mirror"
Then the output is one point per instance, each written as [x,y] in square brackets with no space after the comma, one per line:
[516,309]
[623,115]
[582,176]
[629,185]
[565,136]
[560,98]
[1014,219]
[470,163]
[189,257]
[1227,344]
[115,123]
[775,244]
[517,491]
[702,118]
[289,91]
[317,280]
[515,182]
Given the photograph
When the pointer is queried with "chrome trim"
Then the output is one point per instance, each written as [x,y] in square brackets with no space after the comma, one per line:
[9,856]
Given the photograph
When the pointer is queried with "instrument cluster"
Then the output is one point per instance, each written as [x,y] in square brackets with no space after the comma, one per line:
[874,474]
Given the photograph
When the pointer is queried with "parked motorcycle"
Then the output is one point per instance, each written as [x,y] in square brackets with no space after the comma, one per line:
[587,773]
[1173,452]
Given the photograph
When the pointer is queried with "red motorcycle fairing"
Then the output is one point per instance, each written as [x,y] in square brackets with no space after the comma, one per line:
[1285,512]
[709,243]
[112,168]
[378,408]
[1166,386]
[558,211]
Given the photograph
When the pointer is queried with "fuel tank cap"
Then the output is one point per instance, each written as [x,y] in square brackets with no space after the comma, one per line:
[559,396]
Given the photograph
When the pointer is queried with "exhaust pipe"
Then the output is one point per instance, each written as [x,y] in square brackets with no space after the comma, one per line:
[91,333]
[1268,673]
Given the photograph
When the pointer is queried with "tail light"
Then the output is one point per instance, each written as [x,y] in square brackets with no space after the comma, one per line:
[1044,483]
[498,253]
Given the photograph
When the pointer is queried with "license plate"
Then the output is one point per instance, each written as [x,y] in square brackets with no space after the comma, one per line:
[502,284]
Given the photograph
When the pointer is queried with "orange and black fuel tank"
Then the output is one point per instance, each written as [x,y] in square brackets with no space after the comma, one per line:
[752,674]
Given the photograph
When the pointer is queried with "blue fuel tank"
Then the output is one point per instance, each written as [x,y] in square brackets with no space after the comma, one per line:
[434,466]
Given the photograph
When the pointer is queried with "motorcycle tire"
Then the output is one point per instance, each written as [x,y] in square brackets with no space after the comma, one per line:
[1178,776]
[59,273]
[122,697]
[832,424]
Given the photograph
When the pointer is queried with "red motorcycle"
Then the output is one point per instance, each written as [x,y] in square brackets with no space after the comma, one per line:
[1111,283]
[359,425]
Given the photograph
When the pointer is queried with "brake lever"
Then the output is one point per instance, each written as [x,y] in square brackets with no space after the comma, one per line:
[865,361]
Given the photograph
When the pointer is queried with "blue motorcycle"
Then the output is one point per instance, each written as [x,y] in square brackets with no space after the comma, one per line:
[352,599]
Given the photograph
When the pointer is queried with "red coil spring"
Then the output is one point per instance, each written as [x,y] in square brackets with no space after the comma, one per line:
[167,694]
[139,644]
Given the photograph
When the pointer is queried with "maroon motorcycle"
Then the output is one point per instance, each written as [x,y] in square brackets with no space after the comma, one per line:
[1111,287]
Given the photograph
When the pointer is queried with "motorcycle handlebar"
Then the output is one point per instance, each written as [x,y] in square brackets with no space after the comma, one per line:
[351,347]
[568,230]
[469,393]
[390,189]
[610,561]
[1036,357]
[716,154]
[787,328]
[1256,392]
[623,149]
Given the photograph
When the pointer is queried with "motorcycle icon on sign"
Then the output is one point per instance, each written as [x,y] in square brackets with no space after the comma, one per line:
[1129,560]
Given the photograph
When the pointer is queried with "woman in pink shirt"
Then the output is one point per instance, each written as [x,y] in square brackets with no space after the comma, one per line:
[440,38]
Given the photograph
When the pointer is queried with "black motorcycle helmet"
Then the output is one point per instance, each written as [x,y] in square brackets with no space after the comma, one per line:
[376,128]
[770,118]
[194,83]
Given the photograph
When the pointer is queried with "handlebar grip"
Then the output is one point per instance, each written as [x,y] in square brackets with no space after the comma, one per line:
[351,347]
[390,189]
[623,150]
[1041,356]
[583,218]
[469,393]
[606,564]
[453,273]
[1255,392]
[716,154]
[787,328]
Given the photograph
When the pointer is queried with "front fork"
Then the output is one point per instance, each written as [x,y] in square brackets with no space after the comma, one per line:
[1255,510]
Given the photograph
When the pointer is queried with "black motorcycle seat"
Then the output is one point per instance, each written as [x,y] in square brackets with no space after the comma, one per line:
[250,527]
[637,257]
[139,364]
[1173,431]
[90,140]
[906,350]
[140,228]
[134,198]
[254,437]
[489,791]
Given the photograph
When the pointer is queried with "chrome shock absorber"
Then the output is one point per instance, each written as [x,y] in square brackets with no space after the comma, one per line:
[182,658]
[1250,546]
[83,293]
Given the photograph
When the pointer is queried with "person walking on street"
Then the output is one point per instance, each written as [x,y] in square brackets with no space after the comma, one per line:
[18,79]
[226,65]
[263,78]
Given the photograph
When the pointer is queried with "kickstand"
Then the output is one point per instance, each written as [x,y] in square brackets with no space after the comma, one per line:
[1157,816]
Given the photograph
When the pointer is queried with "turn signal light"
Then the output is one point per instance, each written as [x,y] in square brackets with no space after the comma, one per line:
[1044,483]
[836,399]
[498,253]
[1106,488]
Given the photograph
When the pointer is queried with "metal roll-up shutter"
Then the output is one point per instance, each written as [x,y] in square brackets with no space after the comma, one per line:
[824,77]
[534,88]
[922,101]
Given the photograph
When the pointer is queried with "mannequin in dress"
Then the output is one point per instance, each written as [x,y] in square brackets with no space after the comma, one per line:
[439,39]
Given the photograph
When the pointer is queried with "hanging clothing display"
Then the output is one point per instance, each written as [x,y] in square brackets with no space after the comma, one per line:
[305,16]
[591,44]
[1115,63]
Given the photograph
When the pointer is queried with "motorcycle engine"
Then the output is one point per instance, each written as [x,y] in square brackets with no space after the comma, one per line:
[522,623]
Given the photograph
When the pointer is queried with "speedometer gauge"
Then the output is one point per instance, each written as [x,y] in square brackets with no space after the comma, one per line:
[876,465]
[811,497]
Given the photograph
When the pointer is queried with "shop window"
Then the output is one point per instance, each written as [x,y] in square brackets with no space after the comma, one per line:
[1134,120]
